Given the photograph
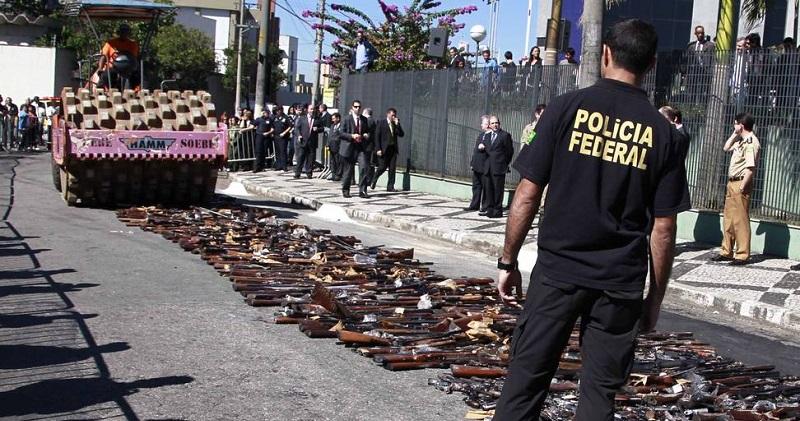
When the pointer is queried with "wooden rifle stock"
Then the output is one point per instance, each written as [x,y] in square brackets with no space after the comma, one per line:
[475,371]
[350,337]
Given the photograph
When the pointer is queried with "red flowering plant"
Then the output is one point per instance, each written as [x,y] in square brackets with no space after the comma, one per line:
[399,40]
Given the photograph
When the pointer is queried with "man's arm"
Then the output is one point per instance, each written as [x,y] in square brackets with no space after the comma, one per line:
[527,198]
[747,182]
[729,143]
[662,254]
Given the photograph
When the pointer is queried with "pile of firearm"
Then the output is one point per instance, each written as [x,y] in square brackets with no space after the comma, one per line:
[396,310]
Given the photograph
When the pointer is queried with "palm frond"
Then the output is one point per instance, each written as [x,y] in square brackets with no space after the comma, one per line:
[753,11]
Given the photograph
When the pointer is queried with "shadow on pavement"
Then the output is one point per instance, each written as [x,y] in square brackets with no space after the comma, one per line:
[7,290]
[67,395]
[14,357]
[28,320]
[50,378]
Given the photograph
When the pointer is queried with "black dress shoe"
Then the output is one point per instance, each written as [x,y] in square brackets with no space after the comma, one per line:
[296,177]
[391,189]
[721,258]
[363,195]
[471,209]
[373,184]
[346,194]
[739,262]
[308,176]
[795,267]
[482,213]
[494,215]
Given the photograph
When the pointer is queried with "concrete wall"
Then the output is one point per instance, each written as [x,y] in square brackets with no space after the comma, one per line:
[288,44]
[216,24]
[34,71]
[766,237]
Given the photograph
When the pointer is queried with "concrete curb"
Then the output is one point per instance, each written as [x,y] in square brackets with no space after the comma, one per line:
[459,238]
[752,309]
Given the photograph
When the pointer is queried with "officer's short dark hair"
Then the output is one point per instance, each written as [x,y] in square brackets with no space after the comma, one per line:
[356,101]
[569,50]
[508,55]
[337,115]
[391,110]
[746,119]
[633,44]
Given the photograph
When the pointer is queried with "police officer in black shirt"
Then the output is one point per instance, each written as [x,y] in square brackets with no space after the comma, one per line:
[282,125]
[615,178]
[264,132]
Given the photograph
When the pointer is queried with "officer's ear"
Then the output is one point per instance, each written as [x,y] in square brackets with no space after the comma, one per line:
[605,59]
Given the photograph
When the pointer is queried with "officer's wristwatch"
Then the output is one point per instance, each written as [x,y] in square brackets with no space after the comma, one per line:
[508,267]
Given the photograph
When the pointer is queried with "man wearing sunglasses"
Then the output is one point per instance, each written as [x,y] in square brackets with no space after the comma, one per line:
[354,147]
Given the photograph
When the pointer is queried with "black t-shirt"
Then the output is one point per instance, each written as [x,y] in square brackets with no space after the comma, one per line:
[263,125]
[611,164]
[280,123]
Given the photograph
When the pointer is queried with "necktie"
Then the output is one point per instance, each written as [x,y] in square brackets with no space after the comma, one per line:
[358,124]
[494,136]
[391,127]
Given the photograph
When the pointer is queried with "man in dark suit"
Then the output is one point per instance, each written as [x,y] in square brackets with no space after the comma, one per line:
[333,146]
[477,164]
[306,131]
[500,149]
[369,147]
[387,132]
[324,116]
[354,142]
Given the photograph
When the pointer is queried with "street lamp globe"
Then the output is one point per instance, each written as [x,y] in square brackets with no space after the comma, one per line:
[477,33]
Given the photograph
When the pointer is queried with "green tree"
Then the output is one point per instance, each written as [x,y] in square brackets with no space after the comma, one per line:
[186,53]
[400,40]
[249,66]
[29,7]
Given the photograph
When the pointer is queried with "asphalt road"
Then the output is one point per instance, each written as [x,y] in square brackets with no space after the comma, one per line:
[100,321]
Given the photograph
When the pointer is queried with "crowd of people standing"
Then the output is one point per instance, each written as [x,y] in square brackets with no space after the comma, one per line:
[291,139]
[23,127]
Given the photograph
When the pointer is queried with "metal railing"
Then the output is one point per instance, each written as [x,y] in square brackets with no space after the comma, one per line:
[440,111]
[242,151]
[241,147]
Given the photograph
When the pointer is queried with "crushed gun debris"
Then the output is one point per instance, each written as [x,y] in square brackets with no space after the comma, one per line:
[387,306]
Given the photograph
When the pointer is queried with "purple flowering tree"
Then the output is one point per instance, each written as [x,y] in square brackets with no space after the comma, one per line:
[399,40]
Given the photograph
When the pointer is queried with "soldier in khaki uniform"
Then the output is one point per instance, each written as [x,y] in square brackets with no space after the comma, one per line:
[741,172]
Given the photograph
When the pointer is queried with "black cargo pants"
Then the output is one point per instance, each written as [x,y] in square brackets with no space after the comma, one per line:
[609,325]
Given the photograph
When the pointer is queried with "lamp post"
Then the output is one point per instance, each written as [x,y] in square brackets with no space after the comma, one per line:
[478,34]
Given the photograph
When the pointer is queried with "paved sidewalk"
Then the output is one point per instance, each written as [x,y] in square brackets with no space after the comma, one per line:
[766,289]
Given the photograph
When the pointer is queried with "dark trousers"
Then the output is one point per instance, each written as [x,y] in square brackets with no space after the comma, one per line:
[304,153]
[493,189]
[308,167]
[280,153]
[259,151]
[348,171]
[387,161]
[478,198]
[609,325]
[336,165]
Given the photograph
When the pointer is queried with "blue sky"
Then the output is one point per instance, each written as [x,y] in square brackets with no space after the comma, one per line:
[510,35]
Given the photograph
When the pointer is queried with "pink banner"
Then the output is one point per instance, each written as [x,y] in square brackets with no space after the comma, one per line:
[151,144]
